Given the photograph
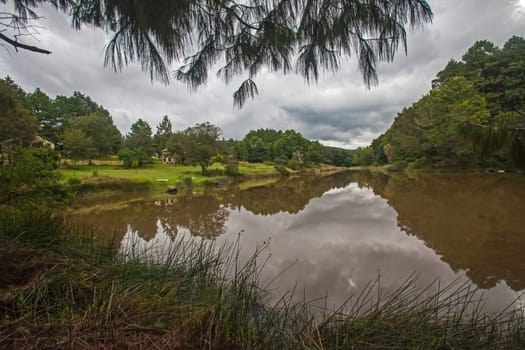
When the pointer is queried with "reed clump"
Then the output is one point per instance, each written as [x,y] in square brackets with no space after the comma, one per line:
[65,287]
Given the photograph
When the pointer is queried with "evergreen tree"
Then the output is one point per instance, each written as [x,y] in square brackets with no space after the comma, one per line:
[17,125]
[163,134]
[139,138]
[246,35]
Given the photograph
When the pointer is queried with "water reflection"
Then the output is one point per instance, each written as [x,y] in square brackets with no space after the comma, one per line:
[334,234]
[476,222]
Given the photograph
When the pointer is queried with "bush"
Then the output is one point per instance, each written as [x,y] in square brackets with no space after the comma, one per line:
[30,177]
[399,165]
[232,168]
[421,163]
[132,158]
[295,164]
[218,158]
[281,169]
[281,160]
[185,183]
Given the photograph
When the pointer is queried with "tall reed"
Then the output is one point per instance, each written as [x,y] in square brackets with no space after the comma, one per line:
[74,291]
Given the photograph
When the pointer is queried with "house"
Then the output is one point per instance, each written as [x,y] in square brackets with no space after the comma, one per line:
[167,157]
[42,142]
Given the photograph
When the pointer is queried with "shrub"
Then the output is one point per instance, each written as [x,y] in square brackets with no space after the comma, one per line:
[132,158]
[281,169]
[295,164]
[281,160]
[232,168]
[218,158]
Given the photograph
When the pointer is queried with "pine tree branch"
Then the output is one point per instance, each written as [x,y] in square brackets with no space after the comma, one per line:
[18,45]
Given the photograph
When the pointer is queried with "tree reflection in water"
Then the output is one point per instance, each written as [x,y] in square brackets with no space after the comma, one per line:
[474,221]
[346,227]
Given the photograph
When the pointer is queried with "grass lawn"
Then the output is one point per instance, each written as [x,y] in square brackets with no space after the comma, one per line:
[159,172]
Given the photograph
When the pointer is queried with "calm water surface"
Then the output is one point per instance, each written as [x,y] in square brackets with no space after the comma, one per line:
[332,235]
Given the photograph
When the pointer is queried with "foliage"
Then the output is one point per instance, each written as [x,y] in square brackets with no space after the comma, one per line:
[17,125]
[99,127]
[163,134]
[75,106]
[77,145]
[473,116]
[199,144]
[55,117]
[282,146]
[29,177]
[43,108]
[231,168]
[247,36]
[363,156]
[138,144]
[133,158]
[281,169]
[436,120]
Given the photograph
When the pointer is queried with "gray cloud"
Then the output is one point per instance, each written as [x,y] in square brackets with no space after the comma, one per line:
[339,110]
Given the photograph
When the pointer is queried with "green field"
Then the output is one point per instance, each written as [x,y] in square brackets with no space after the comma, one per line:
[163,174]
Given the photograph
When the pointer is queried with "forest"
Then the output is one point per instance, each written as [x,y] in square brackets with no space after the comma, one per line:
[82,129]
[473,117]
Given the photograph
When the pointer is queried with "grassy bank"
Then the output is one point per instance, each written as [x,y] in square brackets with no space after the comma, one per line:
[62,287]
[157,175]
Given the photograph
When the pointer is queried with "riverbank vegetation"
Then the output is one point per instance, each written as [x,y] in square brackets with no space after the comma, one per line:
[95,156]
[155,175]
[68,287]
[73,290]
[474,116]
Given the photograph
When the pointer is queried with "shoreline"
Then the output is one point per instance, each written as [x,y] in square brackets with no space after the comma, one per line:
[101,179]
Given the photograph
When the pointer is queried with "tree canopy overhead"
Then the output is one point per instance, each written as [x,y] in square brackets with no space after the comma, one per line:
[244,36]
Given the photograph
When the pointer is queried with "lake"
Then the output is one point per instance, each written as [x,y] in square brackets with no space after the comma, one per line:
[329,236]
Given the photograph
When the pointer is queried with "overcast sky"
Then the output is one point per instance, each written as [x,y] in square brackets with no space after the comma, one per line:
[339,110]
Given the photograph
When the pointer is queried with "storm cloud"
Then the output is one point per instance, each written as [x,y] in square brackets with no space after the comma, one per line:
[339,110]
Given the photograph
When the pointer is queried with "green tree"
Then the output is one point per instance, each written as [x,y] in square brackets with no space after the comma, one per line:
[512,75]
[77,145]
[290,142]
[257,150]
[105,137]
[69,109]
[43,108]
[30,178]
[163,134]
[199,144]
[499,76]
[19,93]
[363,156]
[17,125]
[316,153]
[132,158]
[139,138]
[246,35]
[453,69]
[433,130]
